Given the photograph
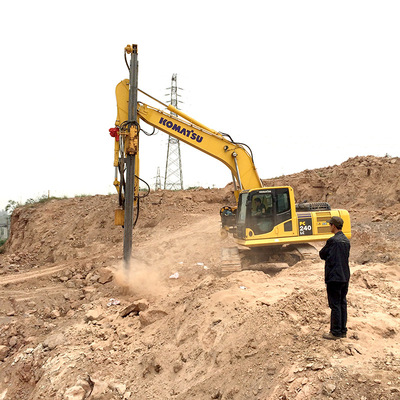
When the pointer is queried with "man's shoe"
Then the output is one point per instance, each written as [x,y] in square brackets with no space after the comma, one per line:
[330,336]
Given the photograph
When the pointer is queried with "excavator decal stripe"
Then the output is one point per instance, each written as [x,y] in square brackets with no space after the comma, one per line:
[183,131]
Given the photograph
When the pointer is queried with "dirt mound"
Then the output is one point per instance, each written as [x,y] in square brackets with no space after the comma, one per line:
[361,183]
[74,325]
[72,229]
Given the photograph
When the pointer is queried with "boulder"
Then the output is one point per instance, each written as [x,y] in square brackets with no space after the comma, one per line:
[75,393]
[105,276]
[150,316]
[135,308]
[4,350]
[94,315]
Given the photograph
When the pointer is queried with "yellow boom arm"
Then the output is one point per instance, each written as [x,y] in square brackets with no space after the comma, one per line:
[188,130]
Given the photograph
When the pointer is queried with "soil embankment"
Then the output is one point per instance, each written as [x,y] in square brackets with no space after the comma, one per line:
[71,329]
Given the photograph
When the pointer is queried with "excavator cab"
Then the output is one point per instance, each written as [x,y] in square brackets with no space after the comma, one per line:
[270,217]
[263,212]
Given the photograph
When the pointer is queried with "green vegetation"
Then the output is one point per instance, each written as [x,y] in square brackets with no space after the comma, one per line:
[44,199]
[12,204]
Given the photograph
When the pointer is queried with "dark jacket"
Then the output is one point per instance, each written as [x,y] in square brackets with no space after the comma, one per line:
[336,255]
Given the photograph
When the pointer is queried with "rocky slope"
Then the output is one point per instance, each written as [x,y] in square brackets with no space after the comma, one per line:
[74,325]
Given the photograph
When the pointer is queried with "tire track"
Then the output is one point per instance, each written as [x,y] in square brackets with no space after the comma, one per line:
[26,276]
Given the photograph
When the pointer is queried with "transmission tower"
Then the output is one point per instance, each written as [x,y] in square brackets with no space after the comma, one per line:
[173,170]
[158,180]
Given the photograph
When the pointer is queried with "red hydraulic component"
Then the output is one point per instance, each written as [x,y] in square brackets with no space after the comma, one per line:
[114,132]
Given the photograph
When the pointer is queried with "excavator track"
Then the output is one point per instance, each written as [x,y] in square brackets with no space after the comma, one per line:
[269,260]
[305,250]
[230,260]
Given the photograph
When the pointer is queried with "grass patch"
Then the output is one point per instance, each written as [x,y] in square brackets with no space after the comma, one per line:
[43,199]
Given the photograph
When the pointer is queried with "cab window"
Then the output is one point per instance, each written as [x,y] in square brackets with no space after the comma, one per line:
[282,202]
[262,213]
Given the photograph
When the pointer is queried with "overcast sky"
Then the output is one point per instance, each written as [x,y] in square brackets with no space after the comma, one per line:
[306,84]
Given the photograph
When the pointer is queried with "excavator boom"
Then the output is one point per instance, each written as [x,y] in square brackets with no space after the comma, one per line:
[197,135]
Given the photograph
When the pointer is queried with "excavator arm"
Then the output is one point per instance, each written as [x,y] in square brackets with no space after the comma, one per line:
[279,222]
[197,135]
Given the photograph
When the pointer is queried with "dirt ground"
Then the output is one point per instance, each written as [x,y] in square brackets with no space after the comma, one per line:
[74,325]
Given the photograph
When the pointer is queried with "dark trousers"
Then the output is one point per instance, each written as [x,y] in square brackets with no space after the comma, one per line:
[337,292]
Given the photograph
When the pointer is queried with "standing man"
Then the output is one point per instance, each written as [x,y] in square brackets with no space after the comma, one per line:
[337,275]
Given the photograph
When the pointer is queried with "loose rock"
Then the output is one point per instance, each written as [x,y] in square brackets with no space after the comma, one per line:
[4,350]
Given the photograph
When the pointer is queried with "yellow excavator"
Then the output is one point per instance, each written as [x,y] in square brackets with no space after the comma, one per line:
[263,216]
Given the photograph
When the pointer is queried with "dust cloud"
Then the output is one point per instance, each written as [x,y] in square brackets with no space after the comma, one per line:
[140,279]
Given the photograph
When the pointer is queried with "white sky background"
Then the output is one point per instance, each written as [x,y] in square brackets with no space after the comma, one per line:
[306,84]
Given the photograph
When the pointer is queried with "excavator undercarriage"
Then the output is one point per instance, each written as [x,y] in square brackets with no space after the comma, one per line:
[269,260]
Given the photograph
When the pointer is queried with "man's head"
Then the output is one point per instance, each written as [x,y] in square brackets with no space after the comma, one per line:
[336,222]
[257,200]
